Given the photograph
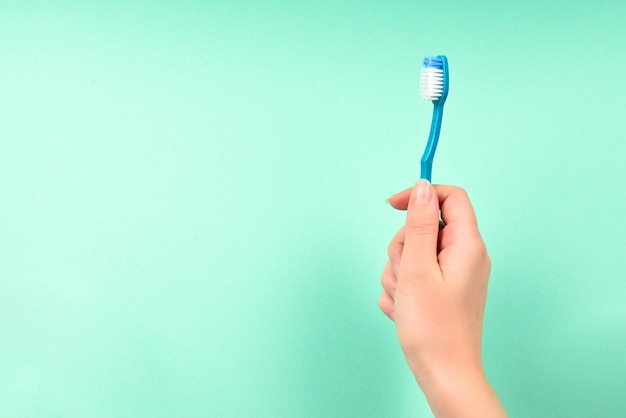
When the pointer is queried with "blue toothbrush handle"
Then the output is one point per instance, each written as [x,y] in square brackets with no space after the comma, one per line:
[431,145]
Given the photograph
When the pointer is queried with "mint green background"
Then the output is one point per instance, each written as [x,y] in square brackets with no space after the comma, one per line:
[192,216]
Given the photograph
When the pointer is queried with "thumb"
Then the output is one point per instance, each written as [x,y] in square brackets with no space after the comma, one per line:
[419,256]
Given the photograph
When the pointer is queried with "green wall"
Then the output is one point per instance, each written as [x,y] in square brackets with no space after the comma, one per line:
[192,202]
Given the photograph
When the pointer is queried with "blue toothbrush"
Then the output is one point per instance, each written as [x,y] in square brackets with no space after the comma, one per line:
[434,81]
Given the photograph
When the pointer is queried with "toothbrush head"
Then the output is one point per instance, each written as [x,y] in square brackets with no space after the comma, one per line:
[434,79]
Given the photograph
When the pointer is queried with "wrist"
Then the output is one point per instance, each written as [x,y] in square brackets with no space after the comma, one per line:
[448,378]
[460,391]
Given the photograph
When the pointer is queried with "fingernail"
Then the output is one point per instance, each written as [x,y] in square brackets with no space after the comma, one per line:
[422,193]
[388,201]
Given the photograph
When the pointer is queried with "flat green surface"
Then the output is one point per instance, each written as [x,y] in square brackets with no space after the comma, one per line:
[192,216]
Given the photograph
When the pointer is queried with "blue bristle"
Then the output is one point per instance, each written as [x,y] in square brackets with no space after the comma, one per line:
[433,62]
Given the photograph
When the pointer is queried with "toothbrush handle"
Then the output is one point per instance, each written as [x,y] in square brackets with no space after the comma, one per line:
[431,145]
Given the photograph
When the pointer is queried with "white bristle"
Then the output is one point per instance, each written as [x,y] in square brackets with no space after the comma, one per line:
[431,83]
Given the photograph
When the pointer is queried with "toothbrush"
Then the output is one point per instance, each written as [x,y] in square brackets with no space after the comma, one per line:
[434,81]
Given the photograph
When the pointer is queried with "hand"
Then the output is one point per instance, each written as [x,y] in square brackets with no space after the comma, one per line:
[435,288]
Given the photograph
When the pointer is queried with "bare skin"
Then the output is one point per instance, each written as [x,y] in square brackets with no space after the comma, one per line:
[435,289]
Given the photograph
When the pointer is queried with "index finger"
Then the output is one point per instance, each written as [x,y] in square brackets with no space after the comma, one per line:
[456,208]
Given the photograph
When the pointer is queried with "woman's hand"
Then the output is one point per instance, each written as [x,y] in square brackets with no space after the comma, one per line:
[435,288]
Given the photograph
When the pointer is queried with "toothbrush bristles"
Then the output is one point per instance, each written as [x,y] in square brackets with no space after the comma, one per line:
[431,83]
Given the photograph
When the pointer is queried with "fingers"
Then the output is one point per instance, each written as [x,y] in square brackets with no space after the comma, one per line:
[414,250]
[400,200]
[456,207]
[388,280]
[386,304]
[421,232]
[395,250]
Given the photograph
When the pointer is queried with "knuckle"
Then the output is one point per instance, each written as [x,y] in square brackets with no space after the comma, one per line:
[389,284]
[460,190]
[478,250]
[383,303]
[390,250]
[481,249]
[394,251]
